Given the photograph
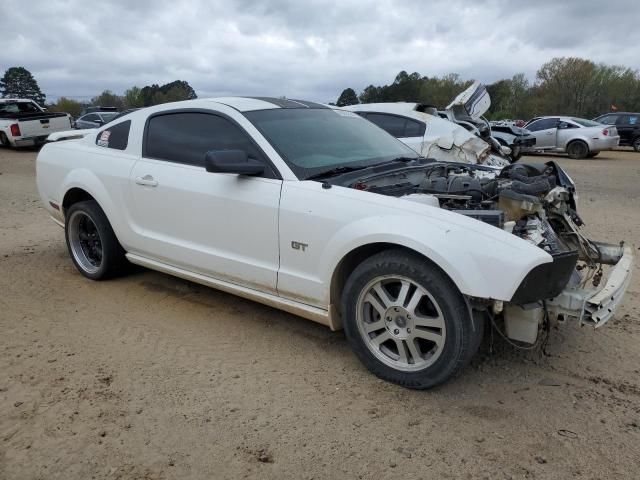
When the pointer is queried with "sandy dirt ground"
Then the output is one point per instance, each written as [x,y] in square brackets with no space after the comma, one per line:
[152,377]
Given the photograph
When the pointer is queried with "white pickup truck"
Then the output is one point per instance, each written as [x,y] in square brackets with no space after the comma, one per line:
[23,123]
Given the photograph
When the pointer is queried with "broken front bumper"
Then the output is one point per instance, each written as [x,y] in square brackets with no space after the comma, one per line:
[593,306]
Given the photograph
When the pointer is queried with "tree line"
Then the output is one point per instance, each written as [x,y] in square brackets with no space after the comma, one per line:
[134,97]
[18,82]
[563,86]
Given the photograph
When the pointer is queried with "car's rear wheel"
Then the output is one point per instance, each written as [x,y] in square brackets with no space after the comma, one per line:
[407,321]
[4,141]
[636,144]
[577,150]
[92,244]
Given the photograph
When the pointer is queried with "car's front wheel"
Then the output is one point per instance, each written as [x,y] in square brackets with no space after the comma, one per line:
[91,242]
[636,144]
[407,321]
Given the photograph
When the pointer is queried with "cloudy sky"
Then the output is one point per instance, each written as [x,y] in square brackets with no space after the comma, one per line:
[309,49]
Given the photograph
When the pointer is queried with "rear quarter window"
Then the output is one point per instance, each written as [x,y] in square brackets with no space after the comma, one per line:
[116,136]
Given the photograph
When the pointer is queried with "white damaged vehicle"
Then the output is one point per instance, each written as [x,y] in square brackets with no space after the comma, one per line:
[429,135]
[320,213]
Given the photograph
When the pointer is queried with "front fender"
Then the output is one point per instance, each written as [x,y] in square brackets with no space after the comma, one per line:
[479,266]
[482,260]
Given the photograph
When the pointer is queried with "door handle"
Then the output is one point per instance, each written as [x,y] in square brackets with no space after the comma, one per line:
[550,133]
[147,180]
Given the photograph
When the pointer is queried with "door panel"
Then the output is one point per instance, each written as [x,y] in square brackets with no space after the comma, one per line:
[626,126]
[221,225]
[546,138]
[545,130]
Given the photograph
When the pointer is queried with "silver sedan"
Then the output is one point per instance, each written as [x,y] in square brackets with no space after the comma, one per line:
[94,119]
[577,137]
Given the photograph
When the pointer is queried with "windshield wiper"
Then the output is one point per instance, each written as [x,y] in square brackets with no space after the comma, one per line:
[345,169]
[399,159]
[334,171]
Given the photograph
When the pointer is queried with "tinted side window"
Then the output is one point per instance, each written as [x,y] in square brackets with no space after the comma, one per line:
[608,119]
[187,137]
[627,120]
[543,124]
[414,129]
[116,136]
[392,124]
[92,117]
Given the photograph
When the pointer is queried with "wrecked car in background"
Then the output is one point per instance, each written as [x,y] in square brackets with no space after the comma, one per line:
[467,110]
[429,135]
[518,139]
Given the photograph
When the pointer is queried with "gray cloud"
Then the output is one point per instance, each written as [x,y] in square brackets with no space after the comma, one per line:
[307,49]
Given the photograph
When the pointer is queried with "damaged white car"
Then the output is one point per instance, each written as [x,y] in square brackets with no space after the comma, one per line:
[417,126]
[320,213]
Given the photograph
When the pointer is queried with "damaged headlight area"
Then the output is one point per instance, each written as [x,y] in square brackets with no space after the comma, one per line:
[585,280]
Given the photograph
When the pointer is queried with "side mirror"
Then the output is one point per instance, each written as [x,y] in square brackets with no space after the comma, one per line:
[99,122]
[232,161]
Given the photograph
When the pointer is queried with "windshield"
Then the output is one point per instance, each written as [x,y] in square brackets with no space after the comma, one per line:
[585,123]
[313,141]
[107,117]
[122,114]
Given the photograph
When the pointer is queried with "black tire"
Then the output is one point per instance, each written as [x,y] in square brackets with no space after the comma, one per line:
[592,154]
[636,144]
[461,335]
[98,255]
[577,150]
[4,141]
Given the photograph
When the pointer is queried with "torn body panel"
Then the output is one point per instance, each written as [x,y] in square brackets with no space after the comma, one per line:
[537,204]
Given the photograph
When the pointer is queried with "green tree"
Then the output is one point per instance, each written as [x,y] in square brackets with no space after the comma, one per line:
[510,98]
[170,92]
[371,94]
[67,105]
[108,99]
[567,86]
[347,97]
[133,98]
[18,82]
[520,98]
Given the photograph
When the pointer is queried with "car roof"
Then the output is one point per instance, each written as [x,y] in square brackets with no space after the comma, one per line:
[242,104]
[385,107]
[247,104]
[564,118]
[618,113]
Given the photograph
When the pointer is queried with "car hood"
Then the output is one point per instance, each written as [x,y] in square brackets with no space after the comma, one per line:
[473,102]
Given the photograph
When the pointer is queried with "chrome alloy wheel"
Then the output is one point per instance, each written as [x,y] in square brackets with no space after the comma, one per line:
[85,242]
[401,323]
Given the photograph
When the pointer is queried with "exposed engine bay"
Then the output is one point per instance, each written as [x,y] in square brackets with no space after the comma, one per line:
[538,204]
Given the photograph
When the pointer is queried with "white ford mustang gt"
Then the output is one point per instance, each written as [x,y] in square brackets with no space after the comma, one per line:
[318,212]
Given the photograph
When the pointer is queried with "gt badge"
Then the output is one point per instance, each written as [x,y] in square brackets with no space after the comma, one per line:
[299,246]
